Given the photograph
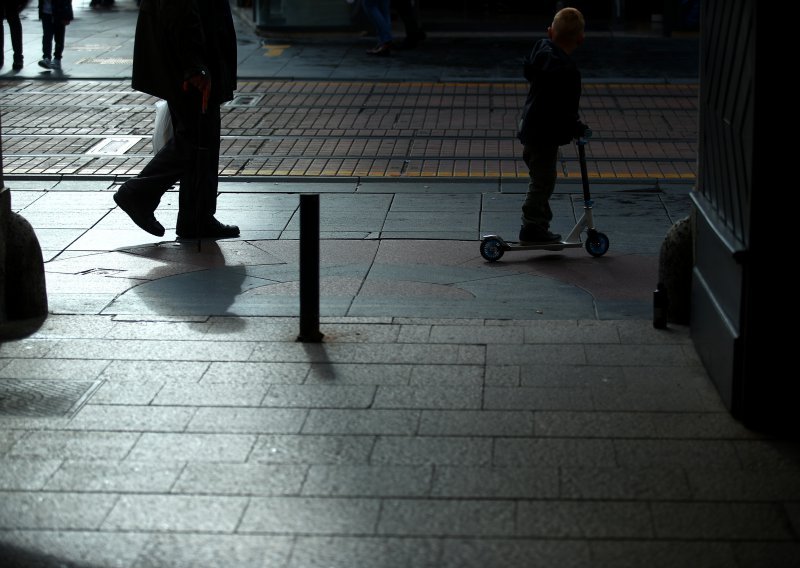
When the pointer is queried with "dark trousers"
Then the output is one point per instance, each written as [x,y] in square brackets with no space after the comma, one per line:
[408,13]
[52,31]
[541,160]
[191,157]
[15,29]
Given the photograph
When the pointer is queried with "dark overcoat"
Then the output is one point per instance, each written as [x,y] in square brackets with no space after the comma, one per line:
[176,39]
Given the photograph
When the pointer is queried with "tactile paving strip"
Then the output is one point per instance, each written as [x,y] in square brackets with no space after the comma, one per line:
[42,397]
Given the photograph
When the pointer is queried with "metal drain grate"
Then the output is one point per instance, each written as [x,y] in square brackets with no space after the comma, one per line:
[38,397]
[244,100]
[115,146]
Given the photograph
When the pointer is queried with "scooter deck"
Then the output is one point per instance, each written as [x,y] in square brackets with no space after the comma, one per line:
[520,245]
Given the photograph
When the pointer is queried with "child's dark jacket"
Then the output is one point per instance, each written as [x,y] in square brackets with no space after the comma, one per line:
[550,113]
[62,11]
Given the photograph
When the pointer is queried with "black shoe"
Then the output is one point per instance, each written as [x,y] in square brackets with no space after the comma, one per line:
[381,50]
[533,234]
[17,63]
[142,216]
[211,229]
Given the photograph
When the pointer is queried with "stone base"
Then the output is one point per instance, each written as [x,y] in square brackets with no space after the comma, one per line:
[675,270]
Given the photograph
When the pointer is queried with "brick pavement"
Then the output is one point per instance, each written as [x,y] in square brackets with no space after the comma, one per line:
[458,413]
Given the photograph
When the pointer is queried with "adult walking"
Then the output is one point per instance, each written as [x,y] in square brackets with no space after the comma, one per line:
[185,53]
[379,13]
[9,11]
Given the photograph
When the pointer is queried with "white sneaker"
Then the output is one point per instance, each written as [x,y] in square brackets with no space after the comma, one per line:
[55,64]
[45,62]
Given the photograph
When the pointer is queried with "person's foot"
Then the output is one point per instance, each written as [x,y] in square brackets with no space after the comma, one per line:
[381,50]
[56,64]
[18,59]
[534,234]
[211,229]
[46,63]
[139,214]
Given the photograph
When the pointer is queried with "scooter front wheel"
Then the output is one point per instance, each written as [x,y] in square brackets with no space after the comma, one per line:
[597,244]
[491,249]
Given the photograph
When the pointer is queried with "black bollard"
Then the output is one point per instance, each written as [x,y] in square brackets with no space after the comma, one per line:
[309,269]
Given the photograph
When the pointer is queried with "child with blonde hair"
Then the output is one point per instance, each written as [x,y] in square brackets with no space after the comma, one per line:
[549,118]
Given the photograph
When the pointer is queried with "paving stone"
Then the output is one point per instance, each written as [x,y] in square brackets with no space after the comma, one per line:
[367,481]
[280,515]
[312,449]
[77,547]
[767,454]
[428,397]
[495,482]
[455,375]
[536,354]
[169,447]
[169,350]
[655,483]
[731,485]
[638,355]
[684,453]
[344,552]
[721,521]
[75,445]
[114,476]
[365,422]
[446,517]
[25,474]
[243,373]
[777,554]
[175,513]
[214,550]
[131,418]
[248,420]
[587,520]
[511,452]
[502,552]
[520,398]
[401,450]
[319,396]
[565,376]
[475,423]
[127,392]
[46,510]
[359,374]
[155,371]
[240,479]
[660,554]
[52,369]
[502,376]
[211,394]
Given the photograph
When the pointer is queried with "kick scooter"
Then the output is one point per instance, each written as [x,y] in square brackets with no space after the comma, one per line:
[493,246]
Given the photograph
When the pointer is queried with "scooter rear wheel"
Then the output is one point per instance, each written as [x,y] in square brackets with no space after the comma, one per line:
[597,244]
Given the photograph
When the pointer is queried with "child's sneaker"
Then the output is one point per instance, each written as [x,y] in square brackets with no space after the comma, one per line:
[45,62]
[534,234]
[55,64]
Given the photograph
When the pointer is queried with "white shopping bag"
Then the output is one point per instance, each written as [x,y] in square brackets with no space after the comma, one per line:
[162,132]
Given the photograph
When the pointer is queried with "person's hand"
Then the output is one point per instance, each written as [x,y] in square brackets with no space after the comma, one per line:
[202,83]
[582,131]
